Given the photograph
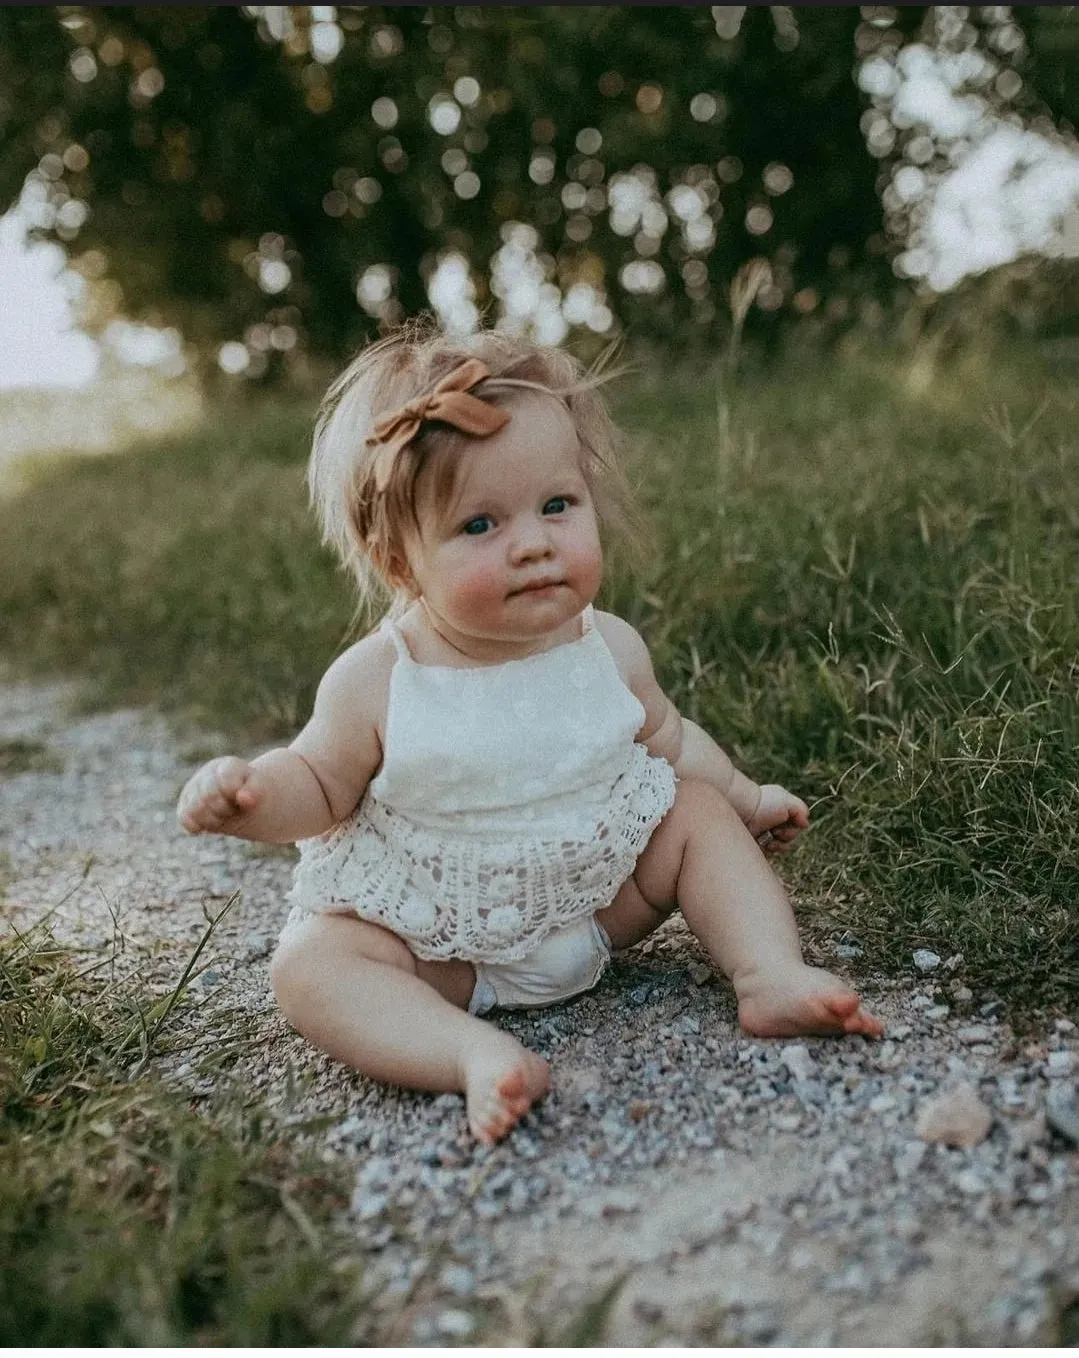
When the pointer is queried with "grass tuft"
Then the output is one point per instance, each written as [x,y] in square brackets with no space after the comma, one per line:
[125,1217]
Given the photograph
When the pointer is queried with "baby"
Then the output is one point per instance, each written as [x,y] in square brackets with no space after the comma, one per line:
[493,793]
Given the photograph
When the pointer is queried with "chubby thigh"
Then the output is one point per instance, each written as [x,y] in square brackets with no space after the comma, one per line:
[650,893]
[308,946]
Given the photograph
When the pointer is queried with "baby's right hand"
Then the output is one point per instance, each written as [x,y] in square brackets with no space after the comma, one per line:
[218,798]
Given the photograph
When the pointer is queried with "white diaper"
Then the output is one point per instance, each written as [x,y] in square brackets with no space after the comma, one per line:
[567,962]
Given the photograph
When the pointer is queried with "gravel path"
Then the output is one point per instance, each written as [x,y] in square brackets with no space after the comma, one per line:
[717,1189]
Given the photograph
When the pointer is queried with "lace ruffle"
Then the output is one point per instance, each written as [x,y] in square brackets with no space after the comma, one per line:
[483,897]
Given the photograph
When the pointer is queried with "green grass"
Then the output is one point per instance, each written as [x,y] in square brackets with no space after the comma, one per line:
[23,756]
[863,589]
[126,1217]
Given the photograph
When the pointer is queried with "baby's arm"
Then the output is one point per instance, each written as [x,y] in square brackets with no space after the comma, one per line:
[299,791]
[691,751]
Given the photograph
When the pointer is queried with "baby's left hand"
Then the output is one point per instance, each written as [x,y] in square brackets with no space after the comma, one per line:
[779,820]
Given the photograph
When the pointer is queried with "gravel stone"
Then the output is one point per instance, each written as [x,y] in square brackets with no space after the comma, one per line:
[1062,1112]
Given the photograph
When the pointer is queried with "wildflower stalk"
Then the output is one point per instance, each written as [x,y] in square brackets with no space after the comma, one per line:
[745,285]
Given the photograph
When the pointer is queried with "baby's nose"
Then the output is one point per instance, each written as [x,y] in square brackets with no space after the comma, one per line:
[531,539]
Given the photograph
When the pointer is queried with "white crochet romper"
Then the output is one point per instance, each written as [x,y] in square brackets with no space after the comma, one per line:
[511,801]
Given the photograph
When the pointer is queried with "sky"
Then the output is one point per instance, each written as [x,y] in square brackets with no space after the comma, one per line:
[39,344]
[1006,191]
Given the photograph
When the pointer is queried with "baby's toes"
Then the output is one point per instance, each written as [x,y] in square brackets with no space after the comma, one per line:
[480,1127]
[492,1121]
[861,1022]
[843,1005]
[513,1094]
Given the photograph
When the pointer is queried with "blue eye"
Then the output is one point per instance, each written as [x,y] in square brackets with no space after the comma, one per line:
[477,526]
[561,505]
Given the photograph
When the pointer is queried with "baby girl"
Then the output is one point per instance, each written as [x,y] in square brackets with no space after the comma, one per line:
[493,793]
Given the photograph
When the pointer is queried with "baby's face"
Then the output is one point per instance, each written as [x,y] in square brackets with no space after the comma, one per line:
[516,553]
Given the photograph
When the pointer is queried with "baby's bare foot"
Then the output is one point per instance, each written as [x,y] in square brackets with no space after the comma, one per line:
[797,1000]
[502,1081]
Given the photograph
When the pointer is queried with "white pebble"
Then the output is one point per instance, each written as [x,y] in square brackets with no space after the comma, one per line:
[925,960]
[970,1183]
[458,1278]
[455,1324]
[367,1205]
[1059,1063]
[795,1056]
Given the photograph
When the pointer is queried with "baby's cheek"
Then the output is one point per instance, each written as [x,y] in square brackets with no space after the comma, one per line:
[585,562]
[480,588]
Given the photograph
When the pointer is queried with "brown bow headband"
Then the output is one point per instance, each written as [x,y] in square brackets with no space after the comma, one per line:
[448,401]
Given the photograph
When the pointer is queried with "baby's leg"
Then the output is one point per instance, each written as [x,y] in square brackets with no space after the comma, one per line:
[355,990]
[702,859]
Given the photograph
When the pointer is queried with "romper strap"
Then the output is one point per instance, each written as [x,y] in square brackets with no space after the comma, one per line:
[588,620]
[398,640]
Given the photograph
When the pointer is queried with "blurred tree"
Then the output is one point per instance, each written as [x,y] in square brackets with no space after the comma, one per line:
[290,178]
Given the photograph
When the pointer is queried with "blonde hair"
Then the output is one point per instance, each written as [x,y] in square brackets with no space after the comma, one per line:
[370,531]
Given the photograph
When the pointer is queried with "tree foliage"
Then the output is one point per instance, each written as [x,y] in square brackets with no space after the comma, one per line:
[238,171]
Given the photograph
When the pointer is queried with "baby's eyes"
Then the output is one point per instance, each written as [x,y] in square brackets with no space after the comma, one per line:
[474,528]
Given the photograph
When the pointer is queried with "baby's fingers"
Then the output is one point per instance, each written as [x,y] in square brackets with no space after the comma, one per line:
[215,795]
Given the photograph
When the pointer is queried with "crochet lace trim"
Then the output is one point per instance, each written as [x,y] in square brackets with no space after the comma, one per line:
[482,898]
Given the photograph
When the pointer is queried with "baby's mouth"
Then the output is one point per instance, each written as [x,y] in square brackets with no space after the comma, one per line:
[536,587]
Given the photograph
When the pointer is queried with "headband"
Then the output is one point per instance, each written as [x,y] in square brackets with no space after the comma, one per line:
[448,401]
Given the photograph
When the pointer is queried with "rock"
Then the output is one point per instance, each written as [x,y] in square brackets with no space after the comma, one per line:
[975,1032]
[699,973]
[458,1278]
[969,1182]
[795,1056]
[1064,1026]
[1062,1112]
[955,1118]
[1058,1064]
[925,960]
[455,1324]
[1030,1132]
[367,1205]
